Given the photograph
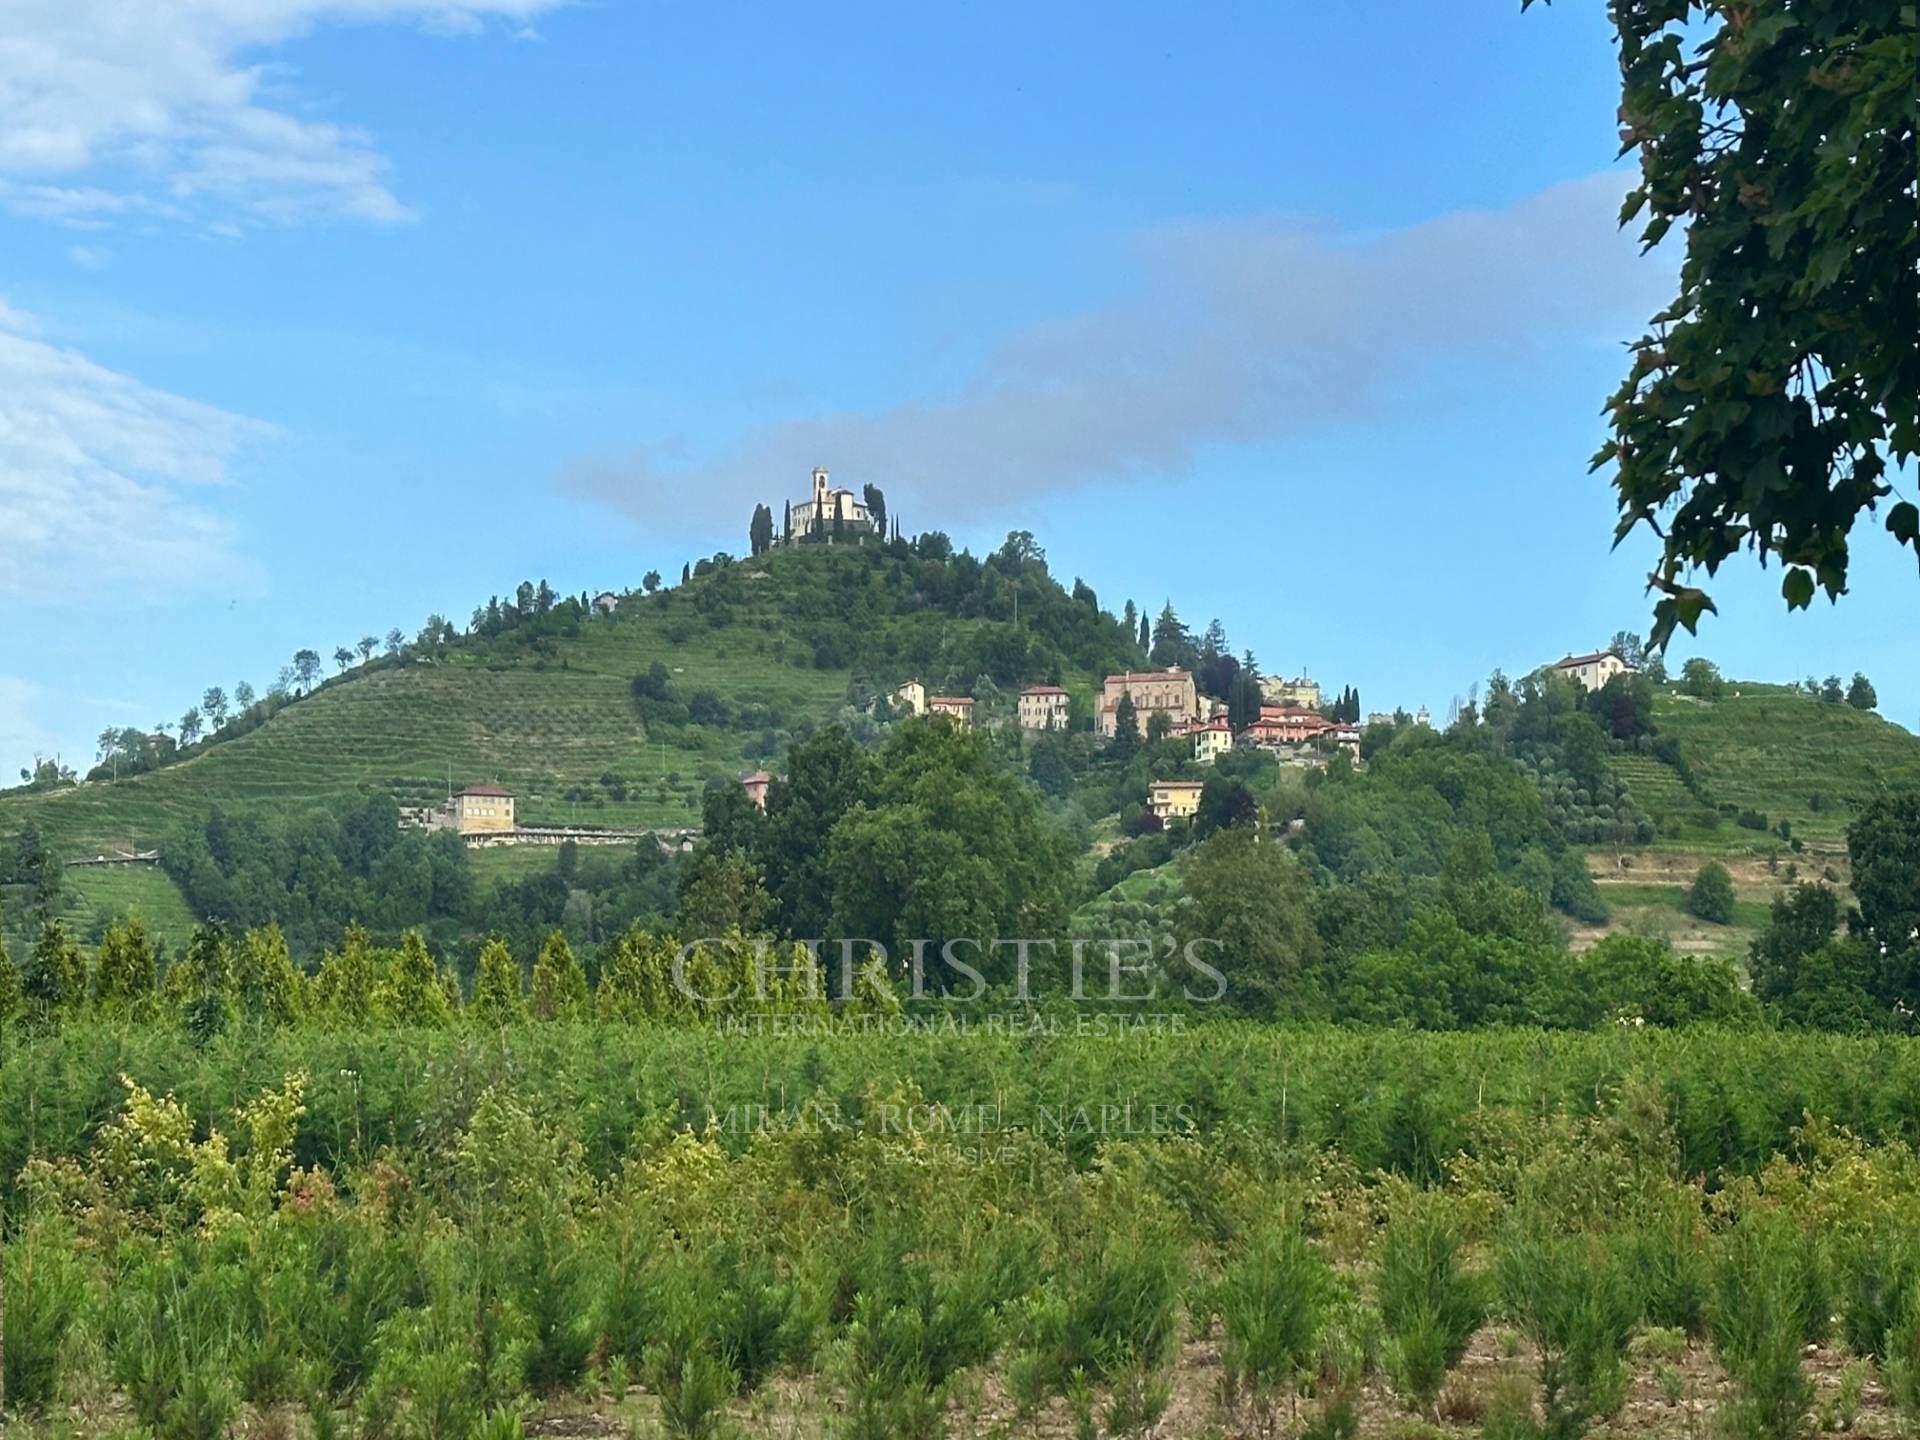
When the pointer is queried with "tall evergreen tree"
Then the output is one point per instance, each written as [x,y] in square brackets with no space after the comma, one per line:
[1146,637]
[1172,641]
[1126,728]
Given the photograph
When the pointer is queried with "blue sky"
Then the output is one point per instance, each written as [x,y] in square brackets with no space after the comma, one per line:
[316,318]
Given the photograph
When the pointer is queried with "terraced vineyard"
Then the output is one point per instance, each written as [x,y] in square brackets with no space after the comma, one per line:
[99,893]
[1773,750]
[542,726]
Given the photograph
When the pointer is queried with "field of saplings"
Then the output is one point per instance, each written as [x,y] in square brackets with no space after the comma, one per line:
[620,1230]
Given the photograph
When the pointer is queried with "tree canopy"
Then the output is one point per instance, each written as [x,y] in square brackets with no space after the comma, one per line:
[1764,404]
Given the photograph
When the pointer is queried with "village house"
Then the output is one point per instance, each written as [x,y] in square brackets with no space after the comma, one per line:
[1591,672]
[756,787]
[1168,692]
[828,514]
[1211,739]
[958,708]
[482,810]
[1044,707]
[1174,799]
[911,696]
[605,603]
[1292,722]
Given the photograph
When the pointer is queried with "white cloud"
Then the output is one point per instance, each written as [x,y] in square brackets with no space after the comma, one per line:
[102,479]
[111,108]
[1237,333]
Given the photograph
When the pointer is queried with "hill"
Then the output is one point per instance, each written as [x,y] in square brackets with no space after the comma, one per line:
[1761,755]
[754,653]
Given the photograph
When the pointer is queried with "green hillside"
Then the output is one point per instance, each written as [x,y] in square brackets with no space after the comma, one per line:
[1767,750]
[783,641]
[540,725]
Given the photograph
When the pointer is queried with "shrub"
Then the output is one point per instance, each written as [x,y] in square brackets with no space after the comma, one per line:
[1711,897]
[1430,1304]
[46,1292]
[1901,1358]
[1571,1297]
[1769,1300]
[1273,1302]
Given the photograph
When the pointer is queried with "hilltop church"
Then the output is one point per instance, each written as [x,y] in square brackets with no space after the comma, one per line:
[829,514]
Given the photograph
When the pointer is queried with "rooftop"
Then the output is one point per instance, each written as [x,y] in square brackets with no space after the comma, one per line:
[488,791]
[1592,659]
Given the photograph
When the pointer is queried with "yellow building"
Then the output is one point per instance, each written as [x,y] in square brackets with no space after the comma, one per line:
[1044,707]
[483,810]
[958,708]
[911,695]
[1174,799]
[1591,672]
[1170,692]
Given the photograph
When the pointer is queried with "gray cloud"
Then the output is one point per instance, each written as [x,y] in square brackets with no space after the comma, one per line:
[1238,333]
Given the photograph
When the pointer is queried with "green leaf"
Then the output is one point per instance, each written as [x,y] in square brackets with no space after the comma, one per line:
[1903,521]
[1798,588]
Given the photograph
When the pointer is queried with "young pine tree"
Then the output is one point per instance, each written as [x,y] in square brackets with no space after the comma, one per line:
[637,983]
[11,1001]
[125,971]
[497,998]
[53,982]
[343,989]
[559,984]
[267,988]
[410,992]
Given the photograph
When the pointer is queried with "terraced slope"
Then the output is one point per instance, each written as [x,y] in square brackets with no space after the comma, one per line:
[782,642]
[1767,748]
[540,725]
